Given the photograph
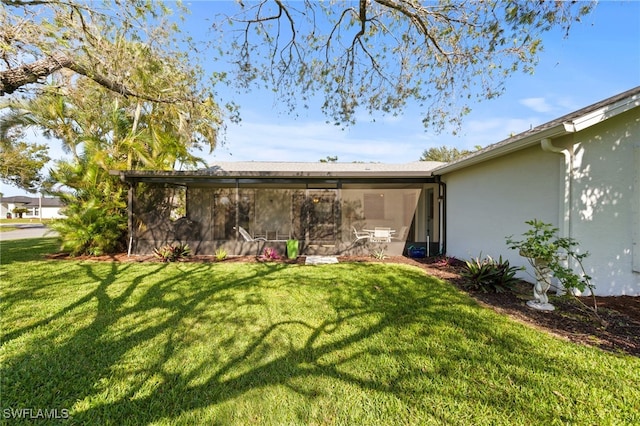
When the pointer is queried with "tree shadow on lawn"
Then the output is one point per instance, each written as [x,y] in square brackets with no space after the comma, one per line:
[363,322]
[27,249]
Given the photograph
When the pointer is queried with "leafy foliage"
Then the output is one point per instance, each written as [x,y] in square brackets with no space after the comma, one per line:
[490,275]
[121,93]
[21,163]
[95,211]
[104,132]
[444,154]
[172,253]
[444,261]
[541,241]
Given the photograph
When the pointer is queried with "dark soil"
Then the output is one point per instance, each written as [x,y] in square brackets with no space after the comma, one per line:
[616,330]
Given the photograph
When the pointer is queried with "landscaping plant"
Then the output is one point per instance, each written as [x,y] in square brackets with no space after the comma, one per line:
[490,275]
[269,253]
[378,254]
[444,261]
[541,242]
[172,253]
[221,254]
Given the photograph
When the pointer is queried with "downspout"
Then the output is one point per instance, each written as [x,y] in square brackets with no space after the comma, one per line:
[566,170]
[442,204]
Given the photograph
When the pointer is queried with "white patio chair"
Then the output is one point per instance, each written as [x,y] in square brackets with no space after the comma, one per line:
[360,235]
[247,236]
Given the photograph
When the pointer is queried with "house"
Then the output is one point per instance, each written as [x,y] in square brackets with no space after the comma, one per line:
[37,207]
[580,172]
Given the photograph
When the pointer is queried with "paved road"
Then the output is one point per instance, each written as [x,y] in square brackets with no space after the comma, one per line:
[36,230]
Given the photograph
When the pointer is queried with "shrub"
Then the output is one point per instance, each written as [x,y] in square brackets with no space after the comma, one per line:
[542,243]
[90,228]
[379,254]
[490,275]
[221,254]
[269,253]
[172,253]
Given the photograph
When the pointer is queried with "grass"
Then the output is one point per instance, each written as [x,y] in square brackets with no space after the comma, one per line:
[230,343]
[24,220]
[6,228]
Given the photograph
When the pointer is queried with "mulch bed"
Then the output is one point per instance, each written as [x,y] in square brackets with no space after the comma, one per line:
[619,330]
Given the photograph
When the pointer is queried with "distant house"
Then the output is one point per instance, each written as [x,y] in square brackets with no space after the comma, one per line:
[580,172]
[37,207]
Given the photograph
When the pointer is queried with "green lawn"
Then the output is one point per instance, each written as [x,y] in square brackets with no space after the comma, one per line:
[231,343]
[6,228]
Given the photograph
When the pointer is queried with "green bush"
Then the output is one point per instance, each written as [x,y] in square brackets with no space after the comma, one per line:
[95,209]
[221,254]
[489,275]
[91,228]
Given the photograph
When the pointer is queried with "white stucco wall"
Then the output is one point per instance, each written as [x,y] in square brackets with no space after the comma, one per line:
[489,201]
[604,217]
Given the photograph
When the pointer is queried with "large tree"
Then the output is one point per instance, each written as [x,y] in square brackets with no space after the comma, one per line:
[118,98]
[382,54]
[21,163]
[103,132]
[132,53]
[90,39]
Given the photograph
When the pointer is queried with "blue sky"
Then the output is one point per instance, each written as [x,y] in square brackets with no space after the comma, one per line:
[600,58]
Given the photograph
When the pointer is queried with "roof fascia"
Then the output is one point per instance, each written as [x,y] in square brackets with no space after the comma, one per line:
[602,114]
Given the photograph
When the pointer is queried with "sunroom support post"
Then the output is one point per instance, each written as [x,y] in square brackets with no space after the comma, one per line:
[130,217]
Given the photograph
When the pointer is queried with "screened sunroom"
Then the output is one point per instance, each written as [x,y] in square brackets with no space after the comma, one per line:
[328,208]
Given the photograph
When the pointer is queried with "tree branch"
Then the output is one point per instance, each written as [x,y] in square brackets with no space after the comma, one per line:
[13,79]
[417,21]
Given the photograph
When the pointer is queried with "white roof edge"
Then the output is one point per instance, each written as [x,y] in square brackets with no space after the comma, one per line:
[604,113]
[561,128]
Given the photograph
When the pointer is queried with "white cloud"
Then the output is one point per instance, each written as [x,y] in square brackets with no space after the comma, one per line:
[537,104]
[313,140]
